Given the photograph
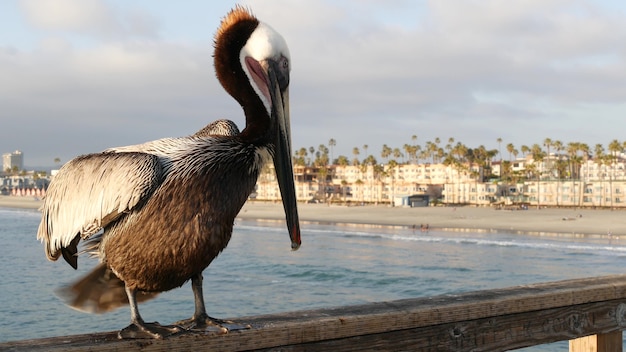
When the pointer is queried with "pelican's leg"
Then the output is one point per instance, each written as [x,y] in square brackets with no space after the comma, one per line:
[201,320]
[138,328]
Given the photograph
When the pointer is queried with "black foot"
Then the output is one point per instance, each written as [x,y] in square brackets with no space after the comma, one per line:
[148,331]
[204,323]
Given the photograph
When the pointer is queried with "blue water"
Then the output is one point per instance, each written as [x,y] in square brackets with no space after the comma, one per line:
[337,265]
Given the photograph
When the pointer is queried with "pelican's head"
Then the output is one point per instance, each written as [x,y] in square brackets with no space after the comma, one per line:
[252,63]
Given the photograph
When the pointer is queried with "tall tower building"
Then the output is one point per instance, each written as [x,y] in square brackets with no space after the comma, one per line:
[12,160]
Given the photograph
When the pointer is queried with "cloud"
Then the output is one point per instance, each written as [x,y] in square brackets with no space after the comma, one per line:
[89,17]
[363,73]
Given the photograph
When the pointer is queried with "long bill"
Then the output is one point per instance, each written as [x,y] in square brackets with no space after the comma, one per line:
[282,157]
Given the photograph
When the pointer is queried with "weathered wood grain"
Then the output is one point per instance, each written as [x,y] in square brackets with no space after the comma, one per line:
[487,320]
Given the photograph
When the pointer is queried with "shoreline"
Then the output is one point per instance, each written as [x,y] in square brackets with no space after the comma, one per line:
[574,222]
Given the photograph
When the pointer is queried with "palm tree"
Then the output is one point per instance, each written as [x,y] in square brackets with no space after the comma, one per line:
[379,173]
[411,152]
[322,173]
[586,154]
[509,148]
[321,156]
[301,155]
[331,143]
[355,152]
[455,160]
[342,160]
[615,147]
[438,151]
[600,159]
[392,172]
[560,164]
[321,161]
[505,171]
[531,171]
[386,152]
[538,158]
[525,150]
[397,154]
[359,183]
[431,150]
[499,140]
[572,153]
[576,161]
[368,162]
[344,185]
[548,143]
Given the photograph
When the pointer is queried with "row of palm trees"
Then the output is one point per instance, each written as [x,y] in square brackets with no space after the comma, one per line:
[564,159]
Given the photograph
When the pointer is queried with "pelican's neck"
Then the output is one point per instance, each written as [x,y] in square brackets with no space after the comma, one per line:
[257,130]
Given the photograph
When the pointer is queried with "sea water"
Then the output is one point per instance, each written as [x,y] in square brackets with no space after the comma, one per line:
[337,265]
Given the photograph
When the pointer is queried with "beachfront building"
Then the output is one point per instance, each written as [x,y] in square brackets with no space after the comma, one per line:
[361,183]
[475,193]
[592,193]
[13,162]
[26,184]
[544,183]
[543,193]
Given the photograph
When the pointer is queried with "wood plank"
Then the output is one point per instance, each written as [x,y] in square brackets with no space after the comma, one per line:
[483,320]
[488,334]
[609,342]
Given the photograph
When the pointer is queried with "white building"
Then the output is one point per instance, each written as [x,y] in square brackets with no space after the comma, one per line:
[10,161]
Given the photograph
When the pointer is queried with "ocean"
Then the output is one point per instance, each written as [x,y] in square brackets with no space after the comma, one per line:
[337,265]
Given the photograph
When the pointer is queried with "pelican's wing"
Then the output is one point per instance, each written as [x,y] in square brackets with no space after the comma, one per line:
[91,191]
[160,147]
[165,147]
[221,127]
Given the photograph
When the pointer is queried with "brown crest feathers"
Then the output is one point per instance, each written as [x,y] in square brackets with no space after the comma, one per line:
[238,14]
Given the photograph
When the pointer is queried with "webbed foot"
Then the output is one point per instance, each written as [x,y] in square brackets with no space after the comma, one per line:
[148,331]
[205,323]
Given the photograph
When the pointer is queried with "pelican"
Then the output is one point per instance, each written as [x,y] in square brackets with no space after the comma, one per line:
[156,214]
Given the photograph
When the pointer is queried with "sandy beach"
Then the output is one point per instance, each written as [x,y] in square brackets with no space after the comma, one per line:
[554,221]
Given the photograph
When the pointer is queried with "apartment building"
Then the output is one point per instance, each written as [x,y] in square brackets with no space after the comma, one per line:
[600,184]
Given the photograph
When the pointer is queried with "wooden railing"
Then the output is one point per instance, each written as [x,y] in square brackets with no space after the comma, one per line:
[591,313]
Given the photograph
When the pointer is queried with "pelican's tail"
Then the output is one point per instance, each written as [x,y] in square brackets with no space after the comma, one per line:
[99,291]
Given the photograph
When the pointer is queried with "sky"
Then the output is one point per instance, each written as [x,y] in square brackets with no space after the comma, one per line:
[80,76]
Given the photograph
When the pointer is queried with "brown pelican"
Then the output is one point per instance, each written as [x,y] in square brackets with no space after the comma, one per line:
[156,214]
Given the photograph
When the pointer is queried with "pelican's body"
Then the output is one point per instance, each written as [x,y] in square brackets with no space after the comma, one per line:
[157,214]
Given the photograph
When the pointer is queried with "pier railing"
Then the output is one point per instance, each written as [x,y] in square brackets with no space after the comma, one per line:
[590,313]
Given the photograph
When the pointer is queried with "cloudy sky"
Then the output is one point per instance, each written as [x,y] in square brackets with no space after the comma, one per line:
[78,76]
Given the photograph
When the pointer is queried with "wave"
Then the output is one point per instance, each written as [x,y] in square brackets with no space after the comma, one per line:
[570,247]
[494,240]
[17,212]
